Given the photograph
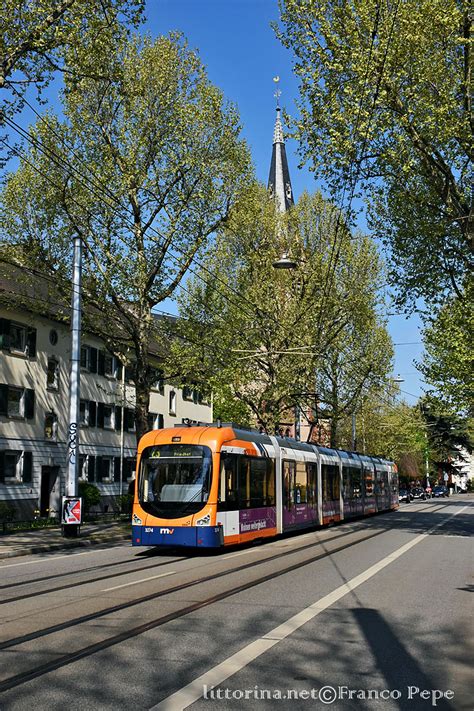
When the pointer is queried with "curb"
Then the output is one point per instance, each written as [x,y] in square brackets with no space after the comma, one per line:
[48,547]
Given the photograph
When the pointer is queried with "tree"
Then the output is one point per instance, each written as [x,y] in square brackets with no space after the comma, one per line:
[448,362]
[386,104]
[448,435]
[264,336]
[144,169]
[42,37]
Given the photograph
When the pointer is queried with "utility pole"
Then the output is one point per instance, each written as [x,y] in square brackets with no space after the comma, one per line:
[71,510]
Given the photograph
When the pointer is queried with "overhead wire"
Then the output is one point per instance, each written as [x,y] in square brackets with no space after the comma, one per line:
[99,190]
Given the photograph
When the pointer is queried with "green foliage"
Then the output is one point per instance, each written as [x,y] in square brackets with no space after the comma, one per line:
[260,335]
[90,495]
[449,437]
[386,100]
[7,512]
[145,168]
[448,364]
[71,36]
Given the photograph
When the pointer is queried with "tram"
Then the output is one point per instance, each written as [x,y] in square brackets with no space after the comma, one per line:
[218,485]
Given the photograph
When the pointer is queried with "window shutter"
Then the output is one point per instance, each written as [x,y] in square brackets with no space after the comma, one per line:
[101,367]
[27,467]
[3,399]
[118,418]
[119,369]
[117,469]
[31,342]
[91,468]
[4,333]
[92,414]
[29,404]
[93,360]
[100,414]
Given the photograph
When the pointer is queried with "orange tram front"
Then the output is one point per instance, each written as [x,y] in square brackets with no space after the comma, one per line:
[209,486]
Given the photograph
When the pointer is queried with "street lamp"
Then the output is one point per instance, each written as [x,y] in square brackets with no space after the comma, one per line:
[71,505]
[285,262]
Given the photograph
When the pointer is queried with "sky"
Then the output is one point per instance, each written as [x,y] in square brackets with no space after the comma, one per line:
[238,47]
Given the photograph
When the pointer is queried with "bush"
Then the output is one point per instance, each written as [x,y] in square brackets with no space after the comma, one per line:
[7,512]
[90,495]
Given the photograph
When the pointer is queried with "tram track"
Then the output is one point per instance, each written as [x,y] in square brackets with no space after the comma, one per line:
[171,561]
[66,659]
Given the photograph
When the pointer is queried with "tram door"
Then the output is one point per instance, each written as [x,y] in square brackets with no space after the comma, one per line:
[299,494]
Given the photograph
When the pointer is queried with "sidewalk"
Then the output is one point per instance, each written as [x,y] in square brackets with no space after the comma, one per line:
[50,539]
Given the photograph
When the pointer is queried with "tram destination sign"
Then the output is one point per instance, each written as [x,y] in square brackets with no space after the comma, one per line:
[174,450]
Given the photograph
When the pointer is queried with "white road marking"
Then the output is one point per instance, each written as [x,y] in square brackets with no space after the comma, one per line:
[190,693]
[137,582]
[234,555]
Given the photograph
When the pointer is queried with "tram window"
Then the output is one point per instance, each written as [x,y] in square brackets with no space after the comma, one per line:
[356,483]
[346,483]
[301,483]
[229,469]
[288,484]
[312,478]
[330,478]
[244,484]
[369,481]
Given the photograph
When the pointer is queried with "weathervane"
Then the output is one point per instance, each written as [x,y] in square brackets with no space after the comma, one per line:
[277,93]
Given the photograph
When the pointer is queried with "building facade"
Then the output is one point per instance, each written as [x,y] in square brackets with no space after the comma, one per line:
[35,356]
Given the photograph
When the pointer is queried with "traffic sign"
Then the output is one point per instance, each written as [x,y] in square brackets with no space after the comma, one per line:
[446,477]
[72,510]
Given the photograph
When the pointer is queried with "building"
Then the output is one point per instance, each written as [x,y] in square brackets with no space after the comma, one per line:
[35,351]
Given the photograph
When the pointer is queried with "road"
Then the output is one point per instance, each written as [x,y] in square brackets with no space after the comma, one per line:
[373,614]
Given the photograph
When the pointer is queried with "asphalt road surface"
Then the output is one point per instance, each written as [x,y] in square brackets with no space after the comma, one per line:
[373,614]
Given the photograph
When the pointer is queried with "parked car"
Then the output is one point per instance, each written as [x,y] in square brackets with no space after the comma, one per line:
[418,493]
[404,495]
[440,490]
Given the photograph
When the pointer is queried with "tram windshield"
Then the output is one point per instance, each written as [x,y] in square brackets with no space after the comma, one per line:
[174,479]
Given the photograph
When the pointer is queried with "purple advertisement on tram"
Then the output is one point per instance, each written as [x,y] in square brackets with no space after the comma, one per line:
[253,520]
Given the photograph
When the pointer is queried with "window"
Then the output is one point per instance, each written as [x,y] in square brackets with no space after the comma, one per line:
[301,483]
[157,380]
[51,426]
[110,368]
[155,421]
[16,465]
[17,402]
[84,412]
[369,481]
[104,468]
[288,484]
[330,477]
[52,377]
[187,393]
[89,357]
[17,337]
[53,337]
[312,479]
[172,407]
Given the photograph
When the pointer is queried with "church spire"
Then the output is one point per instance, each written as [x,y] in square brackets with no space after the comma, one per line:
[279,183]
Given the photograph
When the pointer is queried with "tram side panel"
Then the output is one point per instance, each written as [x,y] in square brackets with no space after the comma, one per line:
[246,508]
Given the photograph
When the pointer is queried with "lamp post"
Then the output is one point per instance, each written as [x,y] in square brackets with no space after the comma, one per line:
[71,508]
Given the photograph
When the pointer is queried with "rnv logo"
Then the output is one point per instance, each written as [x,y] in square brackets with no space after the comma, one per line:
[167,530]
